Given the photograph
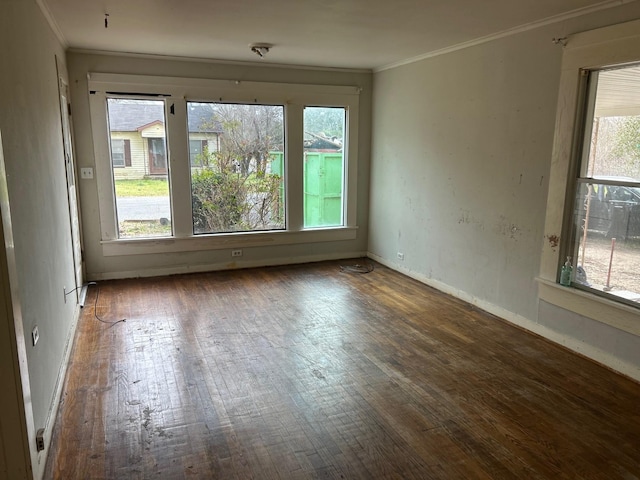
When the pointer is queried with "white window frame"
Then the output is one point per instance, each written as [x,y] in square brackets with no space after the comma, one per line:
[177,92]
[596,49]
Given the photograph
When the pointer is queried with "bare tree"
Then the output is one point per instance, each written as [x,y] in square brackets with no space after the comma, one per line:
[250,133]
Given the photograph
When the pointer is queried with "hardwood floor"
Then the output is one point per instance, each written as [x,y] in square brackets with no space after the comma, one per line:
[313,372]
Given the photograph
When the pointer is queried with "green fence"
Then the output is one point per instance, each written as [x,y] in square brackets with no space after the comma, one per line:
[322,187]
[277,168]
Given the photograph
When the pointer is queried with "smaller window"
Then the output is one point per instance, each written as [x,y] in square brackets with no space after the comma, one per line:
[121,152]
[142,201]
[606,214]
[197,148]
[324,166]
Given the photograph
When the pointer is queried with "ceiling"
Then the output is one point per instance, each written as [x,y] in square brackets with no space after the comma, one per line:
[361,34]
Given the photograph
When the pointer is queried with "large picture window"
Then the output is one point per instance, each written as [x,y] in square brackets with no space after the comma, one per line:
[214,164]
[606,213]
[240,186]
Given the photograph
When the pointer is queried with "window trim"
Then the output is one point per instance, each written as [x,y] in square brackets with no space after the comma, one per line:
[304,163]
[282,110]
[587,92]
[592,50]
[177,92]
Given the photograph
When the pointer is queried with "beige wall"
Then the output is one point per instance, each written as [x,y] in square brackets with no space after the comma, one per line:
[461,151]
[31,130]
[101,266]
[461,156]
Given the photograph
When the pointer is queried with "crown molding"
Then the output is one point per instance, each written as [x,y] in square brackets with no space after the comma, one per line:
[44,8]
[511,31]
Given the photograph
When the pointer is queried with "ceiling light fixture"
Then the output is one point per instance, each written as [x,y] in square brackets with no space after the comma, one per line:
[260,49]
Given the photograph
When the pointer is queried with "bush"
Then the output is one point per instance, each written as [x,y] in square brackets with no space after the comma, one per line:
[226,201]
[219,201]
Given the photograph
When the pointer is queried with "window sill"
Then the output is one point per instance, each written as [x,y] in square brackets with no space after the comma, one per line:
[142,246]
[618,315]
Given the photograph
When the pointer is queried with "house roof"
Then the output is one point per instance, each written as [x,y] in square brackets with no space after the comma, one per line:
[132,115]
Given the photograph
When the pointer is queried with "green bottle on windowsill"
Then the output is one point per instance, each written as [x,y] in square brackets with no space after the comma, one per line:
[565,273]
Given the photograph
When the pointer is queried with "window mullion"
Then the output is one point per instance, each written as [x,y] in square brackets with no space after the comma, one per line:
[179,171]
[294,158]
[351,169]
[104,176]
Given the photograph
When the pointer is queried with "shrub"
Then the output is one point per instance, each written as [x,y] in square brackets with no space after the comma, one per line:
[219,201]
[224,200]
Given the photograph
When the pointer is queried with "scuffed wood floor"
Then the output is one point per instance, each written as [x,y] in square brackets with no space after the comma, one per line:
[311,372]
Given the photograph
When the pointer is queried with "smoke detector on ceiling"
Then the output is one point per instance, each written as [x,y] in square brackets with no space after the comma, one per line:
[260,49]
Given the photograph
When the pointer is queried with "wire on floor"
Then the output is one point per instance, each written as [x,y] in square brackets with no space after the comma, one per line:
[95,308]
[357,268]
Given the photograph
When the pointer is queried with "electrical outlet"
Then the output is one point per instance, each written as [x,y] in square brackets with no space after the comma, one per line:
[236,253]
[40,439]
[35,335]
[400,256]
[86,173]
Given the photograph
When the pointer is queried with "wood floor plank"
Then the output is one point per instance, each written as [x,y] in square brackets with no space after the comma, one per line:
[314,372]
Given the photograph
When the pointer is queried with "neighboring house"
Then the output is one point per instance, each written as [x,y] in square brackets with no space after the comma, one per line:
[320,142]
[138,147]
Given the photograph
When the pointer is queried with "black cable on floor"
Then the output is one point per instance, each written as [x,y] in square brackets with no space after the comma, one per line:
[95,308]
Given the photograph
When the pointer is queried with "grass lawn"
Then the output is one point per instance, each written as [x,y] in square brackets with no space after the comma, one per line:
[142,188]
[141,229]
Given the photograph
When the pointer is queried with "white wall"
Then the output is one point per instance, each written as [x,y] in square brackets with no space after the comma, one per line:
[31,132]
[101,266]
[459,160]
[461,155]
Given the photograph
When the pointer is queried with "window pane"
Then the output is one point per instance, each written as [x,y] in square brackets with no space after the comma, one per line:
[614,150]
[607,218]
[196,149]
[323,166]
[607,205]
[117,152]
[143,205]
[237,181]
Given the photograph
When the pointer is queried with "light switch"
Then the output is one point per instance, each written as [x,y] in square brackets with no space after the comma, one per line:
[86,173]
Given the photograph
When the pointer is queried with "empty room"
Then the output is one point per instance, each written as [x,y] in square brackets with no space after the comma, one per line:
[355,239]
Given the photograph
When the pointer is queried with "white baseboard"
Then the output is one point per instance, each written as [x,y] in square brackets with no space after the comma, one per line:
[604,358]
[38,470]
[212,267]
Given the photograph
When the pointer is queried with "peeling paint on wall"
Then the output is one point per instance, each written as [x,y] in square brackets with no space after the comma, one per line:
[507,229]
[466,218]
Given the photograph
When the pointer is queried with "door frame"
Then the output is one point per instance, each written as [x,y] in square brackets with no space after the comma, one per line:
[72,182]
